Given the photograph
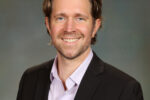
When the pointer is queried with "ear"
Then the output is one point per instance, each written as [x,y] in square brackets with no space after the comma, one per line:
[97,24]
[47,24]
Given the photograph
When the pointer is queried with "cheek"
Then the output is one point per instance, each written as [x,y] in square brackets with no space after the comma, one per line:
[85,29]
[55,30]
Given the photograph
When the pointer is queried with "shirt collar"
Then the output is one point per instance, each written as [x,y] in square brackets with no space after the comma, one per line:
[54,73]
[80,71]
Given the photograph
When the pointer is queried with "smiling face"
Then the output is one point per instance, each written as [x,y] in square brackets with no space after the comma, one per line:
[71,27]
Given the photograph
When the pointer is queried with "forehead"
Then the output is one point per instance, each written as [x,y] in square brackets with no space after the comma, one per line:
[71,6]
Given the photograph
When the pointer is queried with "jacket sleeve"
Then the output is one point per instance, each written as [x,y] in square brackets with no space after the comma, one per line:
[132,91]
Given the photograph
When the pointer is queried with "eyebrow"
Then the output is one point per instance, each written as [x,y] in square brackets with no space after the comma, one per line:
[60,14]
[76,15]
[79,14]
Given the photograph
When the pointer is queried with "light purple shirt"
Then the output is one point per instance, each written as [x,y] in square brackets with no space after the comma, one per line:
[57,91]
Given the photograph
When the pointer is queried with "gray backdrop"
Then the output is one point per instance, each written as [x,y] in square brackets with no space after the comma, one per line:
[124,40]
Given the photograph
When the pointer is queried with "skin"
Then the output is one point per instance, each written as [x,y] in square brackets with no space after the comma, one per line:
[71,28]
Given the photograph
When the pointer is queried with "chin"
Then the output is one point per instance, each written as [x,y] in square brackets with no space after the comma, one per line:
[70,55]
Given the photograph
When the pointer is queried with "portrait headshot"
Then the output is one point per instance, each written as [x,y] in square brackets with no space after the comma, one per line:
[75,50]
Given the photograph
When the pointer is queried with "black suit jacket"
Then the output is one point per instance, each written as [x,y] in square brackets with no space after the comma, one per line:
[100,82]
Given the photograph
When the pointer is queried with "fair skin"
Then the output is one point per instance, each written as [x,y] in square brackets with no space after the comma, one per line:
[71,29]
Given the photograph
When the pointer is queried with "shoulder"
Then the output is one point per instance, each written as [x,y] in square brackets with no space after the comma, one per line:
[32,74]
[46,66]
[109,72]
[114,83]
[122,83]
[119,81]
[111,75]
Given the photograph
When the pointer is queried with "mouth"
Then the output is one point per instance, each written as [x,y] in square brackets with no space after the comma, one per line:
[70,40]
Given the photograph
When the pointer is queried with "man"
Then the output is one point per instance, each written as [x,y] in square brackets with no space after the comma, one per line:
[76,73]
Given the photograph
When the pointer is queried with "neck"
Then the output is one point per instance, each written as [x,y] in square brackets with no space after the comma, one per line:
[66,66]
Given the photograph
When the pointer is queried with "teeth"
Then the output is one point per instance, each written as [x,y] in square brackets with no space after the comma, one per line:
[70,40]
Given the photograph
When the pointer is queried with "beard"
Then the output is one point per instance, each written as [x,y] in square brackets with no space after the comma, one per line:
[76,55]
[74,52]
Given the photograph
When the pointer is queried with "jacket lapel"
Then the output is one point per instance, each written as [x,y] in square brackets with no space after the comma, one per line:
[87,86]
[43,82]
[90,80]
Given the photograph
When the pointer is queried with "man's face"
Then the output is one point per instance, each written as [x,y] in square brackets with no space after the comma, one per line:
[71,27]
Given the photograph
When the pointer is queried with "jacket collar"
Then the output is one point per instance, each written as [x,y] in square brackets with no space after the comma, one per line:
[43,82]
[90,80]
[87,86]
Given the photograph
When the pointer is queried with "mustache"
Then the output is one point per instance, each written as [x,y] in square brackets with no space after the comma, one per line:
[71,35]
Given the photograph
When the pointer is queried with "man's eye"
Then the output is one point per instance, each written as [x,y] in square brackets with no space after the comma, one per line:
[80,19]
[59,18]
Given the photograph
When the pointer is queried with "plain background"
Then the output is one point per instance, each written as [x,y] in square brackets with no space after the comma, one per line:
[124,40]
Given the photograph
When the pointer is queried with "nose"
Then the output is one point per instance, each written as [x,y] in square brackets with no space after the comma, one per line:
[70,25]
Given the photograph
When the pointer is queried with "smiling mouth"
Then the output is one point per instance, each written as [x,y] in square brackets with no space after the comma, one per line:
[70,39]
